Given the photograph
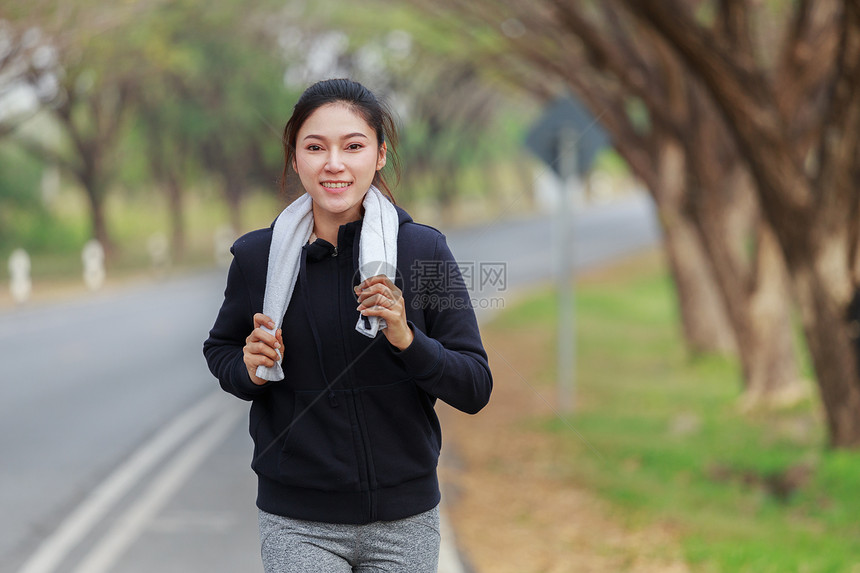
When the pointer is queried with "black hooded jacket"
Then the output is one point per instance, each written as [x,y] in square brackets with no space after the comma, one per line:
[350,435]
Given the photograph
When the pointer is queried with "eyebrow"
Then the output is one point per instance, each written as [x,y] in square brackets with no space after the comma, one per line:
[347,136]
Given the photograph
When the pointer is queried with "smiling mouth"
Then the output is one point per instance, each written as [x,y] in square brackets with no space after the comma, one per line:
[333,185]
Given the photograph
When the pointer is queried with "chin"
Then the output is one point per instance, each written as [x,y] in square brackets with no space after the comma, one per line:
[338,206]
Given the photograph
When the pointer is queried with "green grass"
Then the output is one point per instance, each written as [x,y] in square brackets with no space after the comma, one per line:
[674,447]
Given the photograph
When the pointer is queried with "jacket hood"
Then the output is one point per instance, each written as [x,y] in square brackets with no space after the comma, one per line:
[402,216]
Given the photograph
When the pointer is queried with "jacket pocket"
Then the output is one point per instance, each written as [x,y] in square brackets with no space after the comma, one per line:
[403,430]
[318,451]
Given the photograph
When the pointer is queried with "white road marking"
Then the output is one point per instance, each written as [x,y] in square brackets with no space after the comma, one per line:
[449,561]
[90,512]
[165,485]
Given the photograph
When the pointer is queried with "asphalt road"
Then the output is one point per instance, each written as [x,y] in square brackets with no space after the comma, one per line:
[119,451]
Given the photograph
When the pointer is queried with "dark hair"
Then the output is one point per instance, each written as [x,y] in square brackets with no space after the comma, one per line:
[359,99]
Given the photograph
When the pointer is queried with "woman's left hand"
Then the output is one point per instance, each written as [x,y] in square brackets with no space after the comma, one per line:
[378,296]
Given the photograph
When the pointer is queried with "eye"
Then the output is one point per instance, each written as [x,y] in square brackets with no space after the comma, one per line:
[354,146]
[313,147]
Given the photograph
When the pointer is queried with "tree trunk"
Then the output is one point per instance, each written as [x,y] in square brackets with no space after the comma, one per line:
[755,292]
[98,221]
[447,181]
[703,313]
[773,375]
[177,216]
[831,334]
[233,194]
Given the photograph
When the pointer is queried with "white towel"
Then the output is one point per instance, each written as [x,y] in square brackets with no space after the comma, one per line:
[293,227]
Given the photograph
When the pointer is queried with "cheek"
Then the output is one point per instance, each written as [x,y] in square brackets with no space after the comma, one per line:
[370,165]
[304,164]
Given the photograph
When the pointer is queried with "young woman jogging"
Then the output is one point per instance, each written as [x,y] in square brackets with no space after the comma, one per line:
[342,324]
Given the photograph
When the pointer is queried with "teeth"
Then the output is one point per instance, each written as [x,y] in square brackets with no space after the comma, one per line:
[335,185]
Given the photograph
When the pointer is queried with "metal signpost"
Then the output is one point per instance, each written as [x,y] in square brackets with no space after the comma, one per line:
[567,138]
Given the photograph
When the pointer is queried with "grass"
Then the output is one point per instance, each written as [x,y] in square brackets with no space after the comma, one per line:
[756,491]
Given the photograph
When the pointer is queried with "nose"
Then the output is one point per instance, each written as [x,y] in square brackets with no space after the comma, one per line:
[333,162]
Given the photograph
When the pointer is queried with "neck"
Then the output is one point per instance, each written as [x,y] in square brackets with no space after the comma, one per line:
[326,224]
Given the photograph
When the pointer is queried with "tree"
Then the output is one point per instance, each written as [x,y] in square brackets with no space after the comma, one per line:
[716,194]
[27,79]
[794,112]
[209,83]
[96,55]
[527,48]
[446,134]
[613,63]
[236,100]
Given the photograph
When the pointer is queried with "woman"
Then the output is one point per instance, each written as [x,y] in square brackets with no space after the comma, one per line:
[346,440]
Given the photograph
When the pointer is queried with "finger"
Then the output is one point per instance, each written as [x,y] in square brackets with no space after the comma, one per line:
[392,316]
[369,281]
[368,287]
[378,290]
[260,335]
[279,344]
[376,279]
[396,305]
[369,301]
[381,279]
[252,361]
[261,319]
[380,311]
[261,349]
[377,300]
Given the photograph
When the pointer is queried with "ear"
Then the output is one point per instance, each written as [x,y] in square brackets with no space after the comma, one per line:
[380,159]
[295,165]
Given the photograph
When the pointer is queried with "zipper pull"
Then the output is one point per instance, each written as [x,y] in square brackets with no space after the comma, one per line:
[334,253]
[332,399]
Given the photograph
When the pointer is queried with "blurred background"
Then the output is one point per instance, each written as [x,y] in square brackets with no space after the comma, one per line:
[665,195]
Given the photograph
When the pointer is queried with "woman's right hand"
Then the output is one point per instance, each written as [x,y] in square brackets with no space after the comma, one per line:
[262,348]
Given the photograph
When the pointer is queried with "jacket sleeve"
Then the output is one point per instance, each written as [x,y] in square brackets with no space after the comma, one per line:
[448,361]
[223,348]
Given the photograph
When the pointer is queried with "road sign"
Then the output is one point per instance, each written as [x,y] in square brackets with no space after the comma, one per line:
[567,138]
[545,139]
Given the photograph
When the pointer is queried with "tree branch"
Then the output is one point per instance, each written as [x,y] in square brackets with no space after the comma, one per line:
[840,129]
[735,26]
[745,102]
[636,75]
[39,151]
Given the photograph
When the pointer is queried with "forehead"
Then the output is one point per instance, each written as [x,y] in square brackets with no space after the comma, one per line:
[335,120]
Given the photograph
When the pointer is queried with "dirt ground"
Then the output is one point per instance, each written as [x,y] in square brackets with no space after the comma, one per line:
[511,509]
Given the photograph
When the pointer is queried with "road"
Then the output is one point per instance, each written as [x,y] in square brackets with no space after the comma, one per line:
[120,453]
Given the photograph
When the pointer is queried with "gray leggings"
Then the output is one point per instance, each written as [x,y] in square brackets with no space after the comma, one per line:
[409,545]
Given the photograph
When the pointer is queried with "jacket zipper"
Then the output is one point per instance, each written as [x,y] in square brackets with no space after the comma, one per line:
[332,398]
[353,398]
